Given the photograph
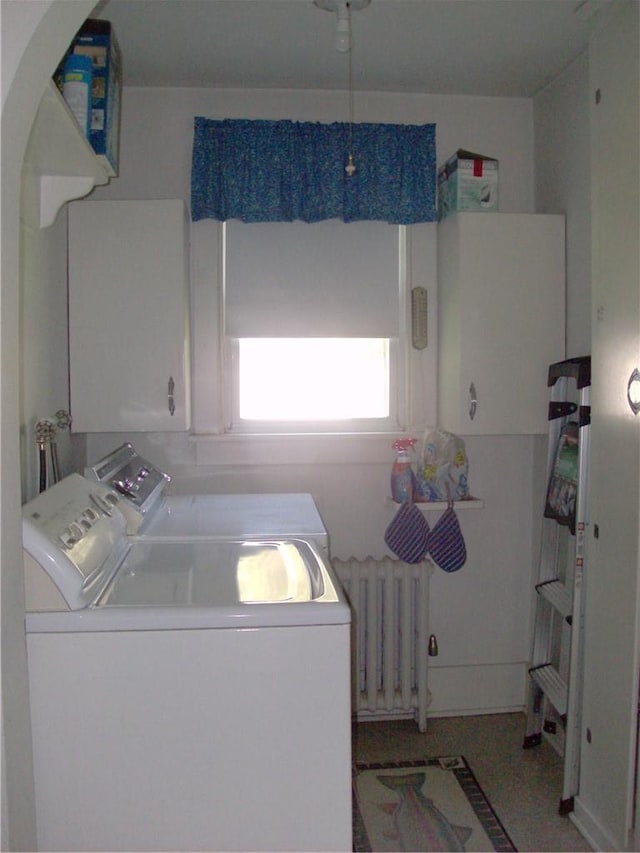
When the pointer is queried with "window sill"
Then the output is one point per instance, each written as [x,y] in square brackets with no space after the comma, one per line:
[295,449]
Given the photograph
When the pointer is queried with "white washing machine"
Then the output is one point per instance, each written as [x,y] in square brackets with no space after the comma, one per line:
[161,516]
[185,695]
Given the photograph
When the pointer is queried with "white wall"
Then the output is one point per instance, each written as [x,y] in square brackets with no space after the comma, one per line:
[349,480]
[157,131]
[563,185]
[34,37]
[45,366]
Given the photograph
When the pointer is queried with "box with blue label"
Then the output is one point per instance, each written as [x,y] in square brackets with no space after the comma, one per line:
[97,40]
[467,181]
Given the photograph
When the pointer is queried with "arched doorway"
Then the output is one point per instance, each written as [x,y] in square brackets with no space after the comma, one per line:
[34,37]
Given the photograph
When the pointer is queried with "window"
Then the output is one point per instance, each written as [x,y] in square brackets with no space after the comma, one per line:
[313,379]
[312,319]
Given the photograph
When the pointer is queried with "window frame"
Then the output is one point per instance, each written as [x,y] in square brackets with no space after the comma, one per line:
[235,425]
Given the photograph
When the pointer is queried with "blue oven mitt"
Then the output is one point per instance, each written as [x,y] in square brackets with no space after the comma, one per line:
[408,534]
[446,544]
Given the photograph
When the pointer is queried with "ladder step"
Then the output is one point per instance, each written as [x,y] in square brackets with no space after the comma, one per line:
[554,688]
[557,594]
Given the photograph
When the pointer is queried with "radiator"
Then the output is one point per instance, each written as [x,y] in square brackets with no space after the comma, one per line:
[390,605]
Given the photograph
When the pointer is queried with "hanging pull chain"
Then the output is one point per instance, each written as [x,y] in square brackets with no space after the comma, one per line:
[350,168]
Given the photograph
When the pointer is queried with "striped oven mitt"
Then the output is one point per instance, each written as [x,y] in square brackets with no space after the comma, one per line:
[408,534]
[446,544]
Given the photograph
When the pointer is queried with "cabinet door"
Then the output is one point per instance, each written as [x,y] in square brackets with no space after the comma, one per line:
[501,292]
[128,316]
[605,805]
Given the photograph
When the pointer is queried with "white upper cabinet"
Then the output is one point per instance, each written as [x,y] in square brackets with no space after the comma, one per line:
[129,316]
[501,307]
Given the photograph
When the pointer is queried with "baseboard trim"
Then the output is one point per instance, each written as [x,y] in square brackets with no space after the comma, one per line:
[591,830]
[477,712]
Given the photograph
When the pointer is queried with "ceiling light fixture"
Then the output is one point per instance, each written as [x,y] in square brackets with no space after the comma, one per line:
[343,44]
[343,10]
[343,28]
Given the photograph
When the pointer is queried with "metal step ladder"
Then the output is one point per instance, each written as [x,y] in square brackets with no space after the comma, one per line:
[555,683]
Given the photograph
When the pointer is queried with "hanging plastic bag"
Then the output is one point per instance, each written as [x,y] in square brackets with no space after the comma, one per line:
[443,471]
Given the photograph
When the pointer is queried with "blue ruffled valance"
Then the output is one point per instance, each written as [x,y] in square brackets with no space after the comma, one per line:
[280,171]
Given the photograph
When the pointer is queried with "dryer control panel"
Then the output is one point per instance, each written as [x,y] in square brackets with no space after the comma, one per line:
[139,482]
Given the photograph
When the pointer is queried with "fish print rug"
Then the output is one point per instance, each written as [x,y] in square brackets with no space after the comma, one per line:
[433,804]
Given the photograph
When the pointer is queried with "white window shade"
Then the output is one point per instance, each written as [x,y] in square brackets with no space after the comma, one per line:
[326,279]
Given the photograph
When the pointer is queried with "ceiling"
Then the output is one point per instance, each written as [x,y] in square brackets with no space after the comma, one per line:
[509,48]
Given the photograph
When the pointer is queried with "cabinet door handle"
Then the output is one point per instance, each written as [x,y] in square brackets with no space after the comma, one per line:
[473,401]
[633,391]
[170,389]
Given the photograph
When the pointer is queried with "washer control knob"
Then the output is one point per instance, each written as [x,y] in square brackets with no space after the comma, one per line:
[126,487]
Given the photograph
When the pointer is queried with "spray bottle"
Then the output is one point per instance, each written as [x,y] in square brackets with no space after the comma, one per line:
[401,473]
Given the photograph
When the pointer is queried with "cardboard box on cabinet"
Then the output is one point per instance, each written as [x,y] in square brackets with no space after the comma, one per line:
[467,182]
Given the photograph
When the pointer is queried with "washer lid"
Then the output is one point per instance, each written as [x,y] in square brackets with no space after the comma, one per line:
[236,516]
[221,574]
